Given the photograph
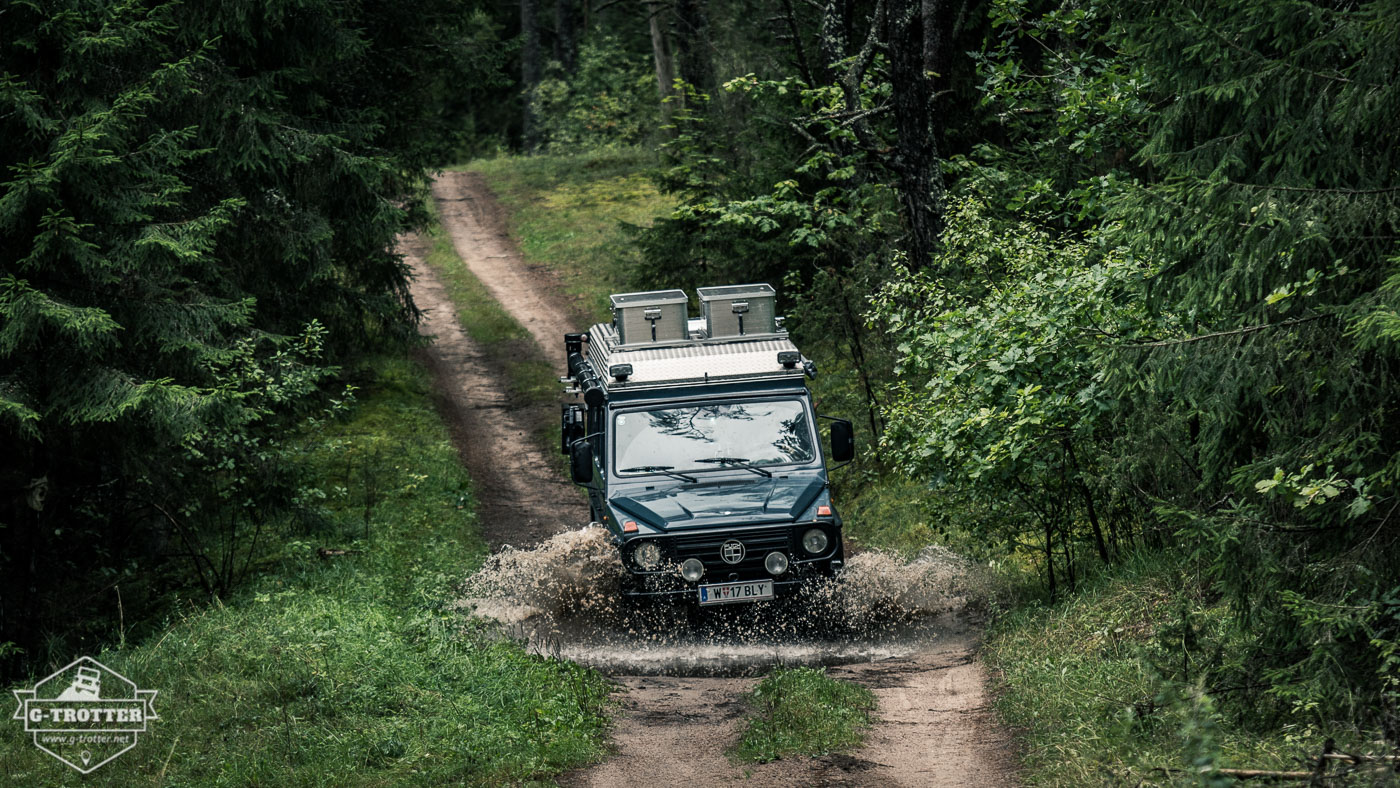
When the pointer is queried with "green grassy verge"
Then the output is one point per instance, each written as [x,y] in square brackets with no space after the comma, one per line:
[568,213]
[352,670]
[803,711]
[1103,692]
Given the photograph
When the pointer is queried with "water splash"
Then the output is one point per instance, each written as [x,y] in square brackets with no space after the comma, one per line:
[561,599]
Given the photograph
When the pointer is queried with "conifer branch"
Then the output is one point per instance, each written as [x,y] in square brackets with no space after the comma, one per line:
[1232,332]
[1314,190]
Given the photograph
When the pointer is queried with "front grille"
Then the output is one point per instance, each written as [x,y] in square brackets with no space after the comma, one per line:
[758,543]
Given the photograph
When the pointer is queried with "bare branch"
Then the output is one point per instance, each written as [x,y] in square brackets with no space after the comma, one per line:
[608,4]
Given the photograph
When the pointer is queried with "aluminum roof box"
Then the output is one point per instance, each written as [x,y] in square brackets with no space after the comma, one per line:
[646,318]
[738,310]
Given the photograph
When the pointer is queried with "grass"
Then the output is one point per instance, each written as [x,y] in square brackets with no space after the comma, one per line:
[354,670]
[569,213]
[803,711]
[1086,682]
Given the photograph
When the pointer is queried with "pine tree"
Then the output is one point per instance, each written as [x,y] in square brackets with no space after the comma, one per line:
[1271,198]
[196,199]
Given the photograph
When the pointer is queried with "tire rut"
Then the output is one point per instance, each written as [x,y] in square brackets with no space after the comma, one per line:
[475,223]
[519,494]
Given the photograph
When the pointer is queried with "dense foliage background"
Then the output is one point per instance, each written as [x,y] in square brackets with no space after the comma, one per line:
[198,208]
[1102,280]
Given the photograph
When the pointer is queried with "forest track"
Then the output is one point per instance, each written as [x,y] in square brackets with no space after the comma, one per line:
[532,295]
[935,725]
[519,494]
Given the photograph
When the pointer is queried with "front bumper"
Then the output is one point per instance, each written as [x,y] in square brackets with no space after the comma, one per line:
[669,585]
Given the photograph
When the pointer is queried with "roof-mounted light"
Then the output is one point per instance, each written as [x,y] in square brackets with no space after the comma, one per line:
[620,372]
[789,358]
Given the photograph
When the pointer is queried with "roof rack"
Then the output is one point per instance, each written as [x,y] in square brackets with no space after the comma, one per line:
[623,356]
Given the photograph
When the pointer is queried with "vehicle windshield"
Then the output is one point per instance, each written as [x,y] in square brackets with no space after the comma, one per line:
[697,437]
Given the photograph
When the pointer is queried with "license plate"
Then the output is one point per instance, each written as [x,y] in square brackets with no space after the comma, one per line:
[725,593]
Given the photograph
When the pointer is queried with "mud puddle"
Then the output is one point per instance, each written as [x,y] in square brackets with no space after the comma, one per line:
[560,599]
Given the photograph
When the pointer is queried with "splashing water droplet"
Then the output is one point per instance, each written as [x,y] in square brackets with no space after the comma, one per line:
[562,599]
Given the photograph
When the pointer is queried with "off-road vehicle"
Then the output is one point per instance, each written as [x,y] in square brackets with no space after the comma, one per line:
[698,445]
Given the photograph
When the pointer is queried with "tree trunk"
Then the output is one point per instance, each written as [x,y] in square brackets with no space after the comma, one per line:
[872,405]
[693,45]
[845,69]
[661,55]
[798,51]
[1088,501]
[920,182]
[530,70]
[930,19]
[833,38]
[1068,545]
[568,21]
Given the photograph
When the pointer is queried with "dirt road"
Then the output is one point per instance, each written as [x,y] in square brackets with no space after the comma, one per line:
[935,725]
[519,493]
[476,224]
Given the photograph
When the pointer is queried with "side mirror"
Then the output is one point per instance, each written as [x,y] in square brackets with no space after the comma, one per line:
[581,462]
[843,441]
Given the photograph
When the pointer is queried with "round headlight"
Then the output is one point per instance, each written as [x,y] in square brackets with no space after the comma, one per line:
[776,563]
[647,555]
[814,541]
[692,569]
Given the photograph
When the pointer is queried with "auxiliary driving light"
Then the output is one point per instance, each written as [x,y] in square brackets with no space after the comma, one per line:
[814,541]
[776,563]
[693,569]
[647,555]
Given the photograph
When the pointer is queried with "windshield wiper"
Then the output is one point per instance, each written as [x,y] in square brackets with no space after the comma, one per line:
[664,470]
[738,462]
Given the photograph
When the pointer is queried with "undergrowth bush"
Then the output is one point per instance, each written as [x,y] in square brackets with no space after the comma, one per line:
[1115,684]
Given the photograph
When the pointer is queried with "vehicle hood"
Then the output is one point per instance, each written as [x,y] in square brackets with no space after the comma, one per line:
[731,501]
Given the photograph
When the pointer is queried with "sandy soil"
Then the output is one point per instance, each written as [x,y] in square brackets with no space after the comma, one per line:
[935,727]
[936,724]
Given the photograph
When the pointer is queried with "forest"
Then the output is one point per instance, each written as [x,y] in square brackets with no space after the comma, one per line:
[1111,290]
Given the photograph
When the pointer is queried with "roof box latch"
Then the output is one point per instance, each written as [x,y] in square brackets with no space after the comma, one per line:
[740,307]
[653,314]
